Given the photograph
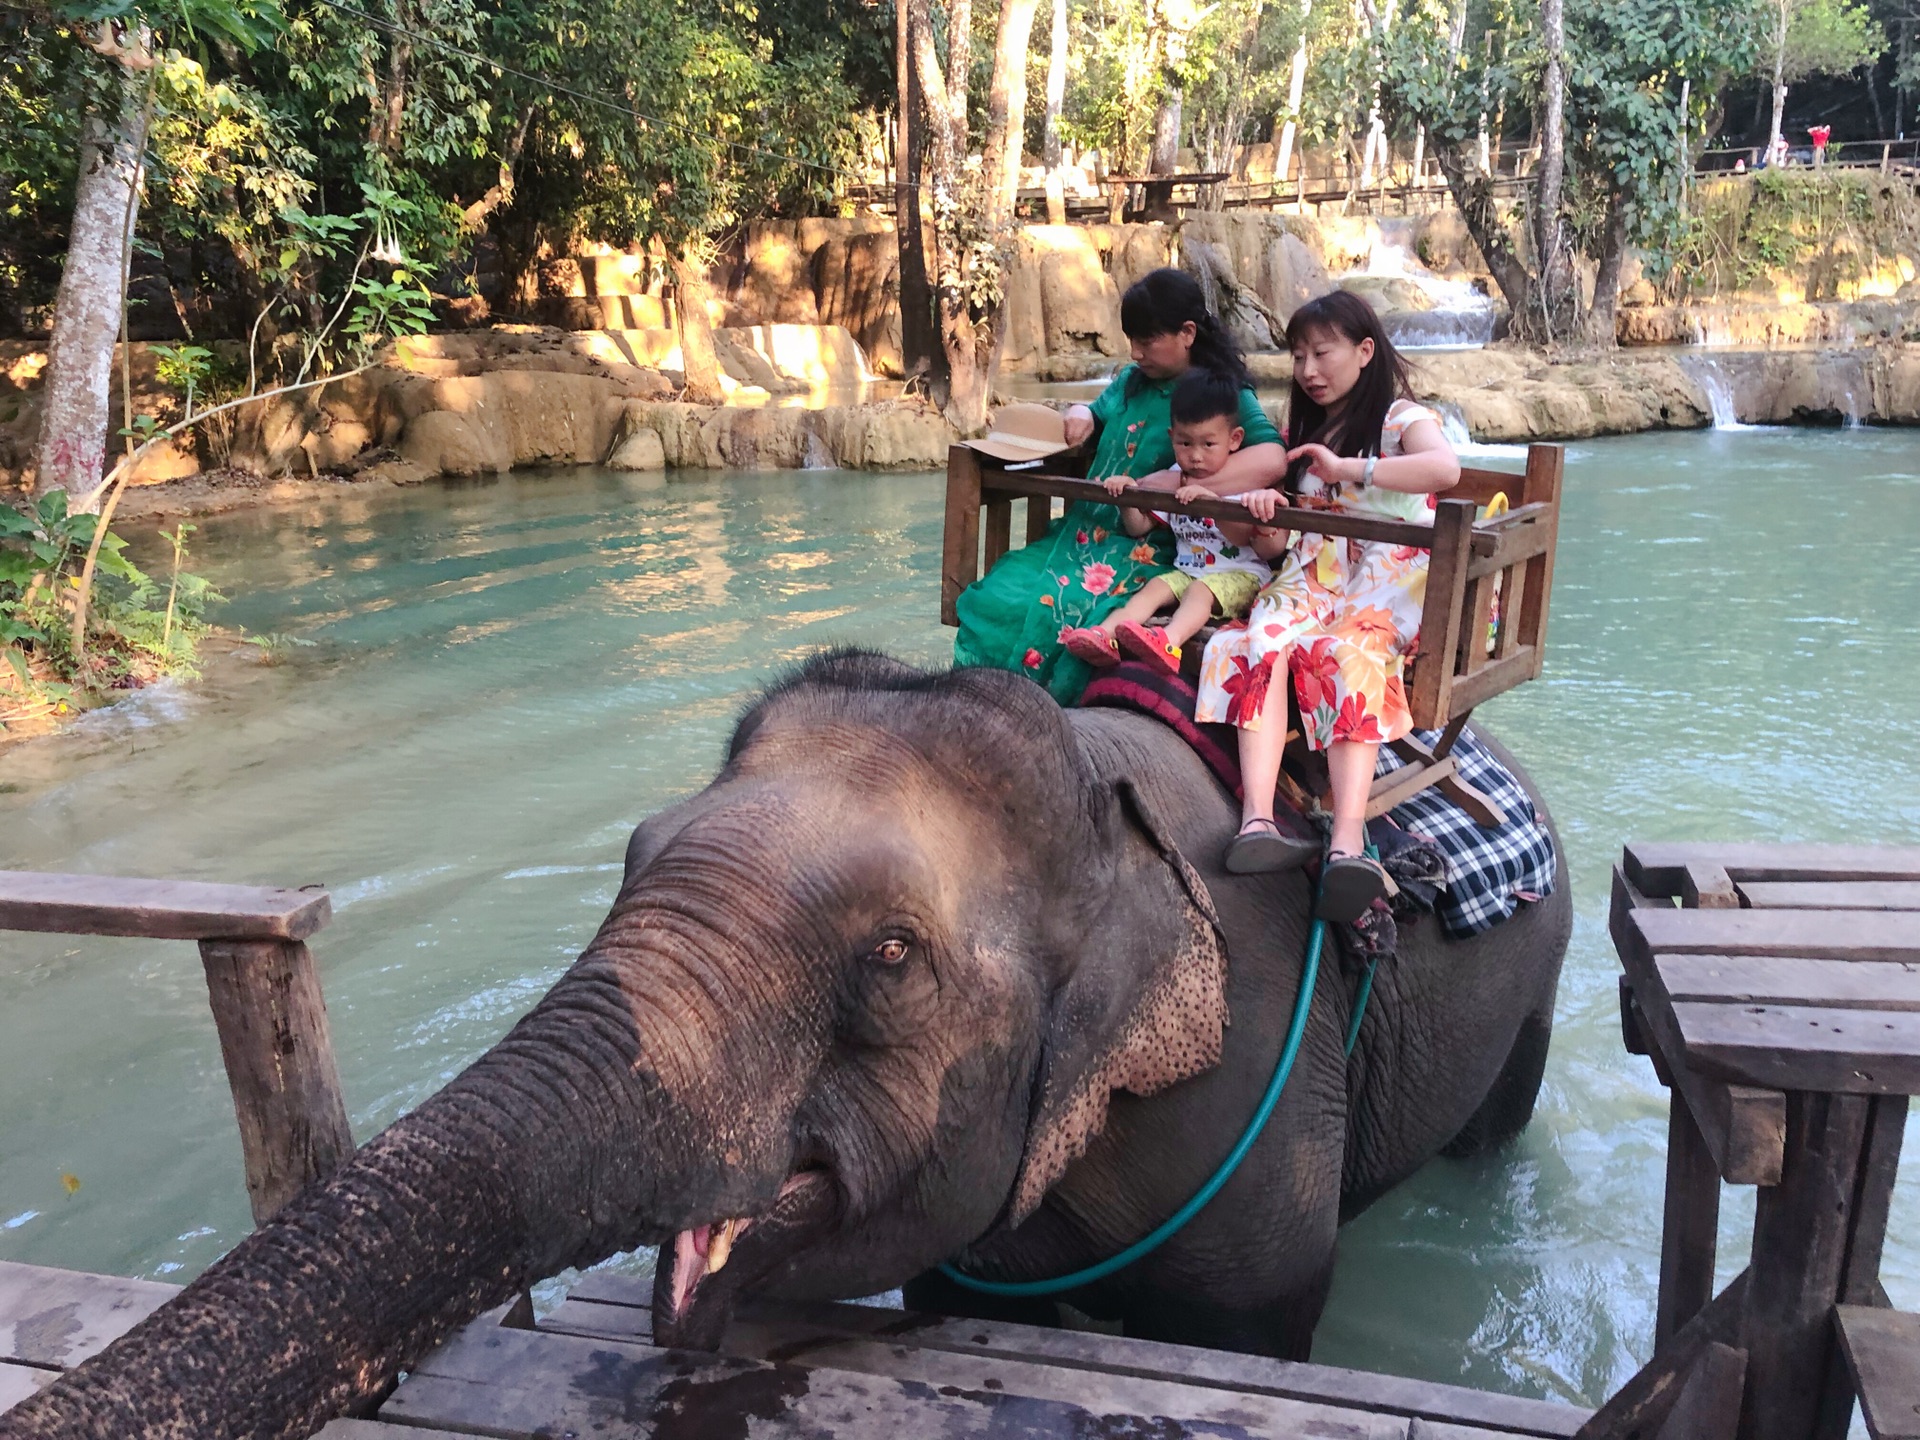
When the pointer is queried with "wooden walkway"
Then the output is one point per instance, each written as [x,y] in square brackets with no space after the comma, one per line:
[852,1371]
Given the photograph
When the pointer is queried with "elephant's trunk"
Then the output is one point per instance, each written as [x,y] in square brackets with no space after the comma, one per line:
[560,1146]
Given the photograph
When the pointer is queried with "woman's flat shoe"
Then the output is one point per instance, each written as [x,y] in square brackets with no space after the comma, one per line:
[1091,644]
[1148,644]
[1263,848]
[1349,884]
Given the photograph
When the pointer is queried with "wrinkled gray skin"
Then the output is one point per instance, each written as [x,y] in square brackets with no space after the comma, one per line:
[738,1033]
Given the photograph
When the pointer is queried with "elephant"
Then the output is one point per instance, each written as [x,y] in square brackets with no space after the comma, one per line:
[932,968]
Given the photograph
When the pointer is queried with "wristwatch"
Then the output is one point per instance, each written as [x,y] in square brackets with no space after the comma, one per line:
[1366,474]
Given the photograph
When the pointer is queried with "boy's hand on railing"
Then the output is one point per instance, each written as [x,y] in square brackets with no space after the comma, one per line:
[1263,504]
[1187,494]
[1120,484]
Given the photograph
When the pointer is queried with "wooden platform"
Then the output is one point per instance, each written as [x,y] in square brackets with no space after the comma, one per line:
[852,1371]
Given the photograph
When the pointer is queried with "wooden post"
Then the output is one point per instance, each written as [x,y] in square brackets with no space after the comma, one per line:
[1440,617]
[1540,485]
[1801,1229]
[272,1021]
[1691,1231]
[960,552]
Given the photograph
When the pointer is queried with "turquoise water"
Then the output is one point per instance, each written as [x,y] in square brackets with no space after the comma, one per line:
[506,676]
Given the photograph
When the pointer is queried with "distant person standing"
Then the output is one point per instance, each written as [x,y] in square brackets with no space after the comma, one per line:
[1777,153]
[1820,134]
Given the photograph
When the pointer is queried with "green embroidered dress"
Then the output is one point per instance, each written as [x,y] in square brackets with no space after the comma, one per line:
[1086,566]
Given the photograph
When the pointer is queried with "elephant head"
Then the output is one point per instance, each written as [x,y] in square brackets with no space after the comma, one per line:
[858,1003]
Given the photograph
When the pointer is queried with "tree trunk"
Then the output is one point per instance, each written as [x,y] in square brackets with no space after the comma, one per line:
[1558,297]
[957,341]
[474,218]
[697,358]
[1606,281]
[1296,85]
[959,68]
[917,349]
[76,402]
[1051,152]
[1165,157]
[1376,124]
[1473,194]
[1779,77]
[1007,110]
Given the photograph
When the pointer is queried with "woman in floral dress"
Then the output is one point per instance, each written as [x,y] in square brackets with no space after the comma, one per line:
[1087,565]
[1341,616]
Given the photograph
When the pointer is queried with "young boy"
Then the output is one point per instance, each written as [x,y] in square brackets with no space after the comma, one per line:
[1216,570]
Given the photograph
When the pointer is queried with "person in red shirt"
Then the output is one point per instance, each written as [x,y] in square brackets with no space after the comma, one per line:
[1820,134]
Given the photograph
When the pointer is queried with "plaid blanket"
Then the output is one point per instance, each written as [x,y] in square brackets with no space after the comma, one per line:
[1490,872]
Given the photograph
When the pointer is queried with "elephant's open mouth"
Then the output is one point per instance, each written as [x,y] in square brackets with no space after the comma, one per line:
[698,1275]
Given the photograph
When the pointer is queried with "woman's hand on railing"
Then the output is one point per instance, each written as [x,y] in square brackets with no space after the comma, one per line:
[1263,504]
[1079,425]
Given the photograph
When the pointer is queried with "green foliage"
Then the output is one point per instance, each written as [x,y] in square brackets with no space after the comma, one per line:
[136,630]
[1823,37]
[1822,229]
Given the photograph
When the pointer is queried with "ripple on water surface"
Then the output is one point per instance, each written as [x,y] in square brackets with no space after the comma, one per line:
[506,676]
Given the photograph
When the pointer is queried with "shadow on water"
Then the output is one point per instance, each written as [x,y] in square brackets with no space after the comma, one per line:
[507,675]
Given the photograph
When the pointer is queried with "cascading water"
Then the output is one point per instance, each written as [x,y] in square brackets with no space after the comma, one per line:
[1459,318]
[1454,426]
[1715,384]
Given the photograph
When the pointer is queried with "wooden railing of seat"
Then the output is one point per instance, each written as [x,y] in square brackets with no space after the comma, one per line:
[1470,650]
[264,992]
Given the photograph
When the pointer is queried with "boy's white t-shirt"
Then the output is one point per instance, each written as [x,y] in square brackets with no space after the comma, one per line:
[1203,550]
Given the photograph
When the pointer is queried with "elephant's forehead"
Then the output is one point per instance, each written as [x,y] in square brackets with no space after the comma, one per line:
[878,765]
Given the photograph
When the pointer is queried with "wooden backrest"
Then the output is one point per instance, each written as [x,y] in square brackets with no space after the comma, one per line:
[1461,664]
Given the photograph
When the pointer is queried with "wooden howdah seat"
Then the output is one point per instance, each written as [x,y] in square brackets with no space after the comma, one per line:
[1489,582]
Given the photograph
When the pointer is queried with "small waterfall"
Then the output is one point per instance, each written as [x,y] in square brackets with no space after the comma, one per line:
[817,455]
[1459,317]
[1454,426]
[1714,383]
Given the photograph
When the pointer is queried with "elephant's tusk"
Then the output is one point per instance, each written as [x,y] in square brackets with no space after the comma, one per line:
[721,1245]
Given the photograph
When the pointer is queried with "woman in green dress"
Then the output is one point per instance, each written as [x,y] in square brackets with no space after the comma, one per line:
[1086,565]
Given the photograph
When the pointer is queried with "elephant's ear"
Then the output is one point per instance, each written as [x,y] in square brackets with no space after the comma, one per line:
[1147,1006]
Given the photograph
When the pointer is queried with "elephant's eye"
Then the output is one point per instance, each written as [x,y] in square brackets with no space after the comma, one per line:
[891,951]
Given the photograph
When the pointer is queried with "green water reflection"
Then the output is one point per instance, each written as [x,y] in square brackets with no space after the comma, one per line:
[508,675]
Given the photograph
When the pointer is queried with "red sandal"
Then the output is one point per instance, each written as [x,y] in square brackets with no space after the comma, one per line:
[1148,644]
[1091,644]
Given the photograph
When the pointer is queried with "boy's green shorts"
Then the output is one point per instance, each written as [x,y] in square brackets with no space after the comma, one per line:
[1234,591]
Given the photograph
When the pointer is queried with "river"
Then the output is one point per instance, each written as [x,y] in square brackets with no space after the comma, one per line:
[505,676]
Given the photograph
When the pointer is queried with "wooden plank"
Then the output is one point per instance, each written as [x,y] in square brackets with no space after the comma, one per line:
[1790,980]
[1690,1229]
[1513,603]
[267,1006]
[1882,1349]
[156,909]
[1039,517]
[1709,1404]
[1518,536]
[1473,629]
[1495,677]
[996,529]
[1546,464]
[1800,1233]
[960,542]
[1431,699]
[1390,789]
[1012,484]
[1813,934]
[1656,866]
[1866,1238]
[1803,1047]
[1832,894]
[1744,1126]
[602,1295]
[1636,1410]
[17,1382]
[519,1383]
[57,1318]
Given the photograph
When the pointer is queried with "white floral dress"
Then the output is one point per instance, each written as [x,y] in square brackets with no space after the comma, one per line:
[1343,615]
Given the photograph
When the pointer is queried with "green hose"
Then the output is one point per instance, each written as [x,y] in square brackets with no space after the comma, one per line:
[1146,1245]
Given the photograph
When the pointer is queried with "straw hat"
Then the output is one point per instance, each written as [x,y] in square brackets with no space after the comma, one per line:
[1023,432]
